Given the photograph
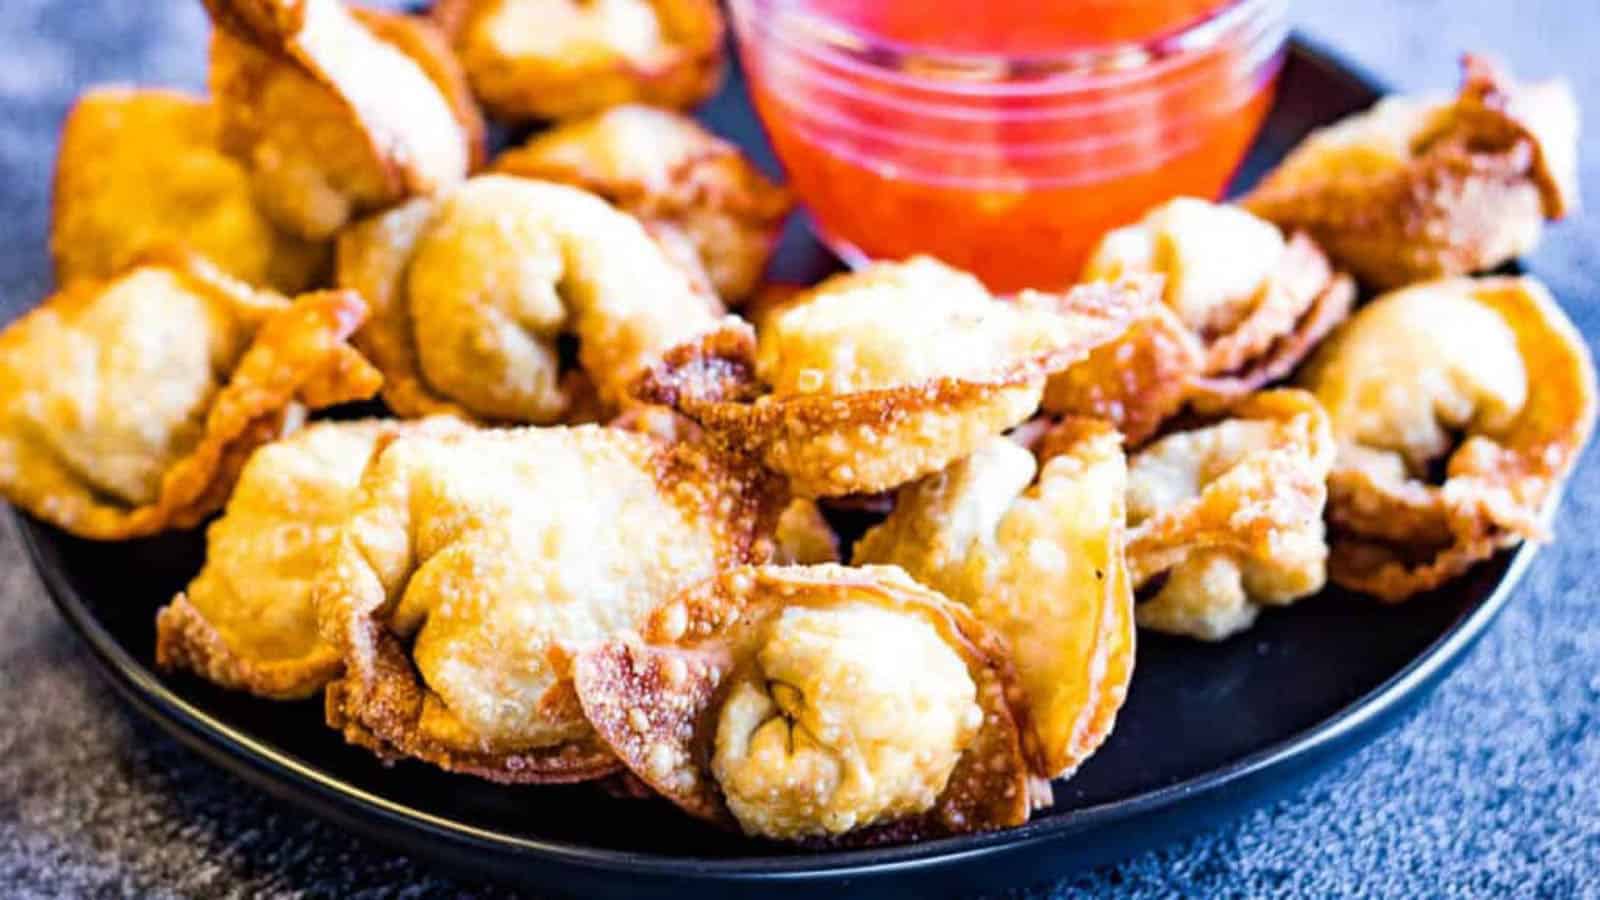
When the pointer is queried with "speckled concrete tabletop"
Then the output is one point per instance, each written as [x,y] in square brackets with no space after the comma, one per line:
[1492,789]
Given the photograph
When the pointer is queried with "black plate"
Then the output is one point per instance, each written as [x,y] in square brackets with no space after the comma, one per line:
[1207,730]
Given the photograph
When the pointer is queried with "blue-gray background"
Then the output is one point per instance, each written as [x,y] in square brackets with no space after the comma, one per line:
[1492,789]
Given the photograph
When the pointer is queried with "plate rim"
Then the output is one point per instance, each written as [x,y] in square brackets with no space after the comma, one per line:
[285,776]
[293,780]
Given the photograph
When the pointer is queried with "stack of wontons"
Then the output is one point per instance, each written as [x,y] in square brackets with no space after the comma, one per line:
[594,540]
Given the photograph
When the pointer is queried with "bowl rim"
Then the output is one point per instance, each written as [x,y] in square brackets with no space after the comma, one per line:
[825,41]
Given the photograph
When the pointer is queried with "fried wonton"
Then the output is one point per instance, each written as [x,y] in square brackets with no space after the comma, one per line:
[337,113]
[473,566]
[820,704]
[554,59]
[471,292]
[1227,518]
[246,622]
[141,169]
[804,536]
[1420,187]
[669,171]
[1035,548]
[1483,380]
[879,377]
[1243,306]
[127,406]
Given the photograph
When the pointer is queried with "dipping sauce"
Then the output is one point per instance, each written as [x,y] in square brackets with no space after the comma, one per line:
[1005,138]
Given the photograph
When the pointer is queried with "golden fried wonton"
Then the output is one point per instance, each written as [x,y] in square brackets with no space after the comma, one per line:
[127,406]
[1035,548]
[473,566]
[247,622]
[332,115]
[141,169]
[1227,518]
[875,378]
[816,703]
[804,536]
[471,291]
[1485,377]
[1419,188]
[667,170]
[553,59]
[1243,306]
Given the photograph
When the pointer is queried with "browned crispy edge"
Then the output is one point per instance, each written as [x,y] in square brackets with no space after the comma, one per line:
[718,178]
[1396,541]
[1443,213]
[624,683]
[691,73]
[1117,640]
[186,640]
[1213,519]
[379,700]
[298,355]
[267,32]
[713,380]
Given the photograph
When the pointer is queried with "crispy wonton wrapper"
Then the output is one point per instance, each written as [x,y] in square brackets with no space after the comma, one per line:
[470,293]
[1227,518]
[474,566]
[822,704]
[1242,307]
[666,169]
[1484,376]
[879,377]
[336,113]
[538,59]
[1419,188]
[246,622]
[803,534]
[1035,548]
[141,169]
[129,405]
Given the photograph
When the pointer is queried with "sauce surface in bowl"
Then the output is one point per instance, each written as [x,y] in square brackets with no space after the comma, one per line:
[1005,138]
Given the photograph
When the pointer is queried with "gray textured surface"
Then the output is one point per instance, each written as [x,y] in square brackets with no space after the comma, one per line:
[1492,789]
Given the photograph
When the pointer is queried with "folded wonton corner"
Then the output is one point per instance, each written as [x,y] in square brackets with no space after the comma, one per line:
[1419,188]
[818,704]
[128,406]
[337,113]
[876,378]
[1486,378]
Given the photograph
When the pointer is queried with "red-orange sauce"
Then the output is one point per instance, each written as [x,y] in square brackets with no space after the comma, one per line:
[1012,28]
[1014,188]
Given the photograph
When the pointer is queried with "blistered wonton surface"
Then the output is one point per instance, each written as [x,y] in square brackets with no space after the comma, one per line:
[1227,518]
[142,169]
[553,59]
[128,405]
[1418,188]
[1243,305]
[666,169]
[1485,378]
[474,565]
[330,113]
[470,293]
[816,703]
[1035,548]
[875,378]
[246,621]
